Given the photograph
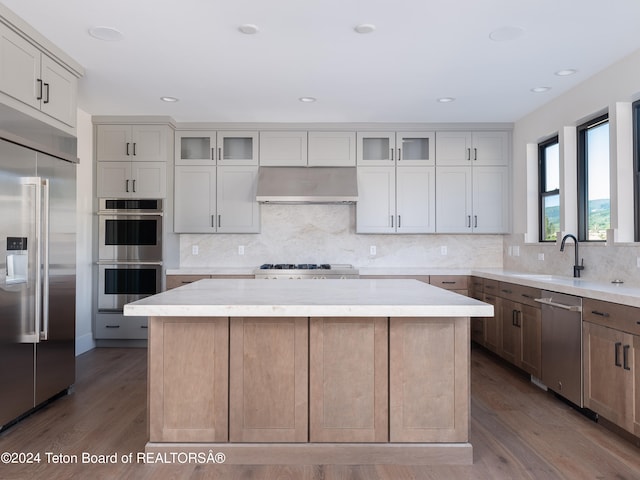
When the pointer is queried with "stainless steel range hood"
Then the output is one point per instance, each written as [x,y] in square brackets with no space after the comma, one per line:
[307,185]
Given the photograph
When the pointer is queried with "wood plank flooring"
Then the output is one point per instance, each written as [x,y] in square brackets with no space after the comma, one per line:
[517,431]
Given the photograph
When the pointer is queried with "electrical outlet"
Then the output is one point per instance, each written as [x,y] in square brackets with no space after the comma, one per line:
[638,262]
[443,250]
[195,250]
[372,250]
[541,256]
[240,249]
[510,250]
[516,250]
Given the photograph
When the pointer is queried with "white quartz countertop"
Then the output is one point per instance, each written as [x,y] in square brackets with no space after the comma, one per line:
[308,298]
[609,292]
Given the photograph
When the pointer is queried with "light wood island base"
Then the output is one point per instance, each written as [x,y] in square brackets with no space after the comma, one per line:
[383,383]
[326,453]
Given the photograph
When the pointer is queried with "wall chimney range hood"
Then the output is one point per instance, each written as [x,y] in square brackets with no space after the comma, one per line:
[307,185]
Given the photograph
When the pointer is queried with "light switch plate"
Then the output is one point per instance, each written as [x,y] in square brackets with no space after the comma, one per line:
[443,250]
[240,249]
[372,250]
[195,250]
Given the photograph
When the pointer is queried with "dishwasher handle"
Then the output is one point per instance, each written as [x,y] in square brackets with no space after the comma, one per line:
[551,303]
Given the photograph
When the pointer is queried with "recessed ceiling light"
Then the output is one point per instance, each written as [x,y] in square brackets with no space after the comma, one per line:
[566,72]
[169,99]
[540,89]
[446,99]
[307,99]
[248,28]
[364,28]
[108,34]
[504,34]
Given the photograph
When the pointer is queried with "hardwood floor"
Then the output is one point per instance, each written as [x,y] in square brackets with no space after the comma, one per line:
[517,431]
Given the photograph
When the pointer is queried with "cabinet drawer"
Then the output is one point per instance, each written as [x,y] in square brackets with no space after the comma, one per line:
[491,287]
[174,281]
[520,293]
[119,327]
[450,282]
[613,315]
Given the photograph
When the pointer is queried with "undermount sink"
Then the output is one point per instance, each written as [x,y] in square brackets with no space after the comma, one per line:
[533,276]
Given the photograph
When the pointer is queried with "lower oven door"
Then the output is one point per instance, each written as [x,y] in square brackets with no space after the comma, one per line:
[121,283]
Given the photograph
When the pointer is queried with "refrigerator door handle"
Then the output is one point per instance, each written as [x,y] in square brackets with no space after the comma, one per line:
[44,331]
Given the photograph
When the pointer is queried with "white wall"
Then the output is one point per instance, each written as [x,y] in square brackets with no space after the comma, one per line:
[84,218]
[611,90]
[326,234]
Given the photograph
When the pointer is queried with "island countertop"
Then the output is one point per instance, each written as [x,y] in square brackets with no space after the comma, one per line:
[291,298]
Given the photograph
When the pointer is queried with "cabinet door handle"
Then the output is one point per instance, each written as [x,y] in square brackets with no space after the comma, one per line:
[112,326]
[213,154]
[519,319]
[39,96]
[514,314]
[392,154]
[213,221]
[391,221]
[126,186]
[144,326]
[617,355]
[506,290]
[625,357]
[450,282]
[475,154]
[134,148]
[46,88]
[526,296]
[219,154]
[399,220]
[128,149]
[468,154]
[134,186]
[399,154]
[600,314]
[469,221]
[475,221]
[219,221]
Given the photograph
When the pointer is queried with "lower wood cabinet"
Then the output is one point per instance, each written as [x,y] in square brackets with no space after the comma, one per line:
[349,380]
[268,384]
[188,380]
[610,373]
[429,383]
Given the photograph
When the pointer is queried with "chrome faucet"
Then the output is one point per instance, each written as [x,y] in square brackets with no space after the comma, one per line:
[577,266]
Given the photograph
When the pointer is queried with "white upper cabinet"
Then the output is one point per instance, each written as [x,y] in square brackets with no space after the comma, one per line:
[490,148]
[216,148]
[35,79]
[396,148]
[472,200]
[131,180]
[211,199]
[396,200]
[332,149]
[283,149]
[132,143]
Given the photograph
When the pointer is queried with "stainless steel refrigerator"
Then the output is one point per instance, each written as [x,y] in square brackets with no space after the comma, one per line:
[37,277]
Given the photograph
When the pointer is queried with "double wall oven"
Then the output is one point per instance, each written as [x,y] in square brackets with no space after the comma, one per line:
[130,251]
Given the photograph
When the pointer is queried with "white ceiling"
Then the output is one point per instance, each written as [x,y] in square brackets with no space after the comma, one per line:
[421,50]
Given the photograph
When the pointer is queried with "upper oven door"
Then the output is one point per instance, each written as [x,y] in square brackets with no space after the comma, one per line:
[131,238]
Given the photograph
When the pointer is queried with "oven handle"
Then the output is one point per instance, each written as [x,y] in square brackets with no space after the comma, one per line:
[111,213]
[125,262]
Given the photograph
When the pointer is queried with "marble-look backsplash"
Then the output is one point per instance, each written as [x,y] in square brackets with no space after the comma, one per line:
[602,262]
[326,234]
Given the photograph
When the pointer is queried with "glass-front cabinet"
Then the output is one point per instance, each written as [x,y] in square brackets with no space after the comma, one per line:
[216,148]
[396,148]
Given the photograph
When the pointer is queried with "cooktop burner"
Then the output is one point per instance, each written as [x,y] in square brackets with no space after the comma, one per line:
[294,266]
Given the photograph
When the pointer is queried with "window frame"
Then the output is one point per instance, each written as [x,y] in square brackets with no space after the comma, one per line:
[542,193]
[635,109]
[583,190]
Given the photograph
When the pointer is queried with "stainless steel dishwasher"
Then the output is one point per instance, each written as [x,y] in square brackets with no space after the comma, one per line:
[561,355]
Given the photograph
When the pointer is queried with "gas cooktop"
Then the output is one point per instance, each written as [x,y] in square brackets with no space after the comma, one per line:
[305,271]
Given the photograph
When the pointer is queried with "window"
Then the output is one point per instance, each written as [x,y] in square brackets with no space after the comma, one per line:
[549,189]
[636,167]
[594,210]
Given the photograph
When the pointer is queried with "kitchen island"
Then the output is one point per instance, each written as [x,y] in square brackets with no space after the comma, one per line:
[310,372]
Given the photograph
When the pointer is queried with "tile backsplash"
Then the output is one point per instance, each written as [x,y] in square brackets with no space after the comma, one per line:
[326,234]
